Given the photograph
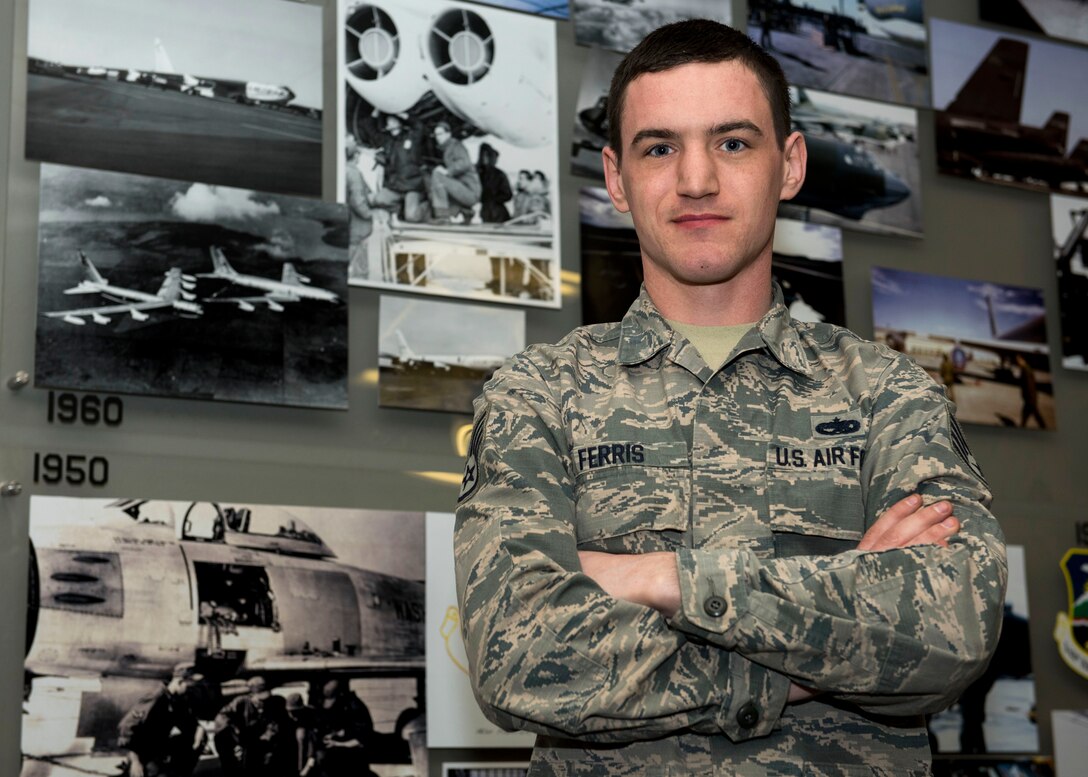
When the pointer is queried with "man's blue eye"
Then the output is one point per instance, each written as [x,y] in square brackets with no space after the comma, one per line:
[658,150]
[733,144]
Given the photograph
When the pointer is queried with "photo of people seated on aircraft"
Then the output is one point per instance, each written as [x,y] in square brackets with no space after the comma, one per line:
[1069,216]
[806,263]
[449,151]
[984,342]
[863,48]
[1008,111]
[198,638]
[230,95]
[619,24]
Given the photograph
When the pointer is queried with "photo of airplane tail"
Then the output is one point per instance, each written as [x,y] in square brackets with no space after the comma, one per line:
[221,265]
[292,276]
[90,272]
[996,89]
[1080,153]
[406,353]
[162,59]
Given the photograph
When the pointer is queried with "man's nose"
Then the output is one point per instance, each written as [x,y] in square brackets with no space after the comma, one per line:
[698,174]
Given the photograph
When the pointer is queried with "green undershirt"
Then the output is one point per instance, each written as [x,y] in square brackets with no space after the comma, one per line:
[713,343]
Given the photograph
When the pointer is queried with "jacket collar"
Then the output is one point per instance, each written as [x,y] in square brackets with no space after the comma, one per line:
[644,333]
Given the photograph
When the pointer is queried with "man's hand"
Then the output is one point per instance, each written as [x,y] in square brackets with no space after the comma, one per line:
[907,523]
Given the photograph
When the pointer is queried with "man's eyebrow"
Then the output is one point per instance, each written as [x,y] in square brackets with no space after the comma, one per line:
[724,128]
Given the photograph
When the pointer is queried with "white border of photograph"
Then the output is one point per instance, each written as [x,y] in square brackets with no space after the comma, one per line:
[454,718]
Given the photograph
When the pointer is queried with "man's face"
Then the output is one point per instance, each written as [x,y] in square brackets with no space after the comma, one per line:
[441,135]
[392,125]
[702,174]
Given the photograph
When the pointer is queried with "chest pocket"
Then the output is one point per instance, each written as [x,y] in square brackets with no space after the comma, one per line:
[635,499]
[814,496]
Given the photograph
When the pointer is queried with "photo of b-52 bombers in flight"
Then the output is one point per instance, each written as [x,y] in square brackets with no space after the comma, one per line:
[1009,111]
[224,93]
[236,622]
[167,288]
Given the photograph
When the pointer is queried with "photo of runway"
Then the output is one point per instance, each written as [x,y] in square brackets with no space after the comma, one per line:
[166,288]
[228,94]
[437,355]
[866,48]
[984,342]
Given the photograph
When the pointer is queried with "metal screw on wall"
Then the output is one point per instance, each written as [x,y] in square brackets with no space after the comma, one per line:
[19,380]
[11,488]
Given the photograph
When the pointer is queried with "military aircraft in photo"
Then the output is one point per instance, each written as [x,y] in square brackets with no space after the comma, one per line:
[475,63]
[846,125]
[241,91]
[846,180]
[979,133]
[471,365]
[172,294]
[121,596]
[292,287]
[899,20]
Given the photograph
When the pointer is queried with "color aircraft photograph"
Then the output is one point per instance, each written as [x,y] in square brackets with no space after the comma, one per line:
[1069,217]
[1008,110]
[862,164]
[188,290]
[557,9]
[436,355]
[984,342]
[449,149]
[223,93]
[1064,19]
[618,25]
[806,262]
[864,48]
[238,622]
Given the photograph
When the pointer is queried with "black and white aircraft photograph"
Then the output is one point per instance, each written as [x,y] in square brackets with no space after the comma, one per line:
[189,290]
[590,134]
[1011,109]
[435,355]
[557,9]
[1065,19]
[862,164]
[864,48]
[806,262]
[223,93]
[619,24]
[1069,218]
[449,149]
[178,637]
[984,342]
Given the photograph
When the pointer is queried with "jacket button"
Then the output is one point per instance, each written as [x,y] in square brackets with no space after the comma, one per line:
[715,606]
[748,715]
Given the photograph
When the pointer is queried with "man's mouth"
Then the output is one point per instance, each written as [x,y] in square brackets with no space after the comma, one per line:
[700,219]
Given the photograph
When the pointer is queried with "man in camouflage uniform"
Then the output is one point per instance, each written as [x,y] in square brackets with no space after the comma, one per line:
[732,558]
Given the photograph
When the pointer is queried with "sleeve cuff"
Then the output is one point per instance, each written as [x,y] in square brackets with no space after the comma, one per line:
[755,702]
[713,594]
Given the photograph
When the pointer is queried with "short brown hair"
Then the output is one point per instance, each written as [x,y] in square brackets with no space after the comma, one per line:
[698,40]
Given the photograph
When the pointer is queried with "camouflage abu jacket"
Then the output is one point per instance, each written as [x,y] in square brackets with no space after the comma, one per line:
[762,478]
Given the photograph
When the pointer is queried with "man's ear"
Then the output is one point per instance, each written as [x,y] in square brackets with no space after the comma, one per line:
[612,180]
[795,161]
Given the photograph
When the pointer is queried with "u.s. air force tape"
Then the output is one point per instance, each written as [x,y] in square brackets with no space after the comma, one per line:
[471,478]
[959,445]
